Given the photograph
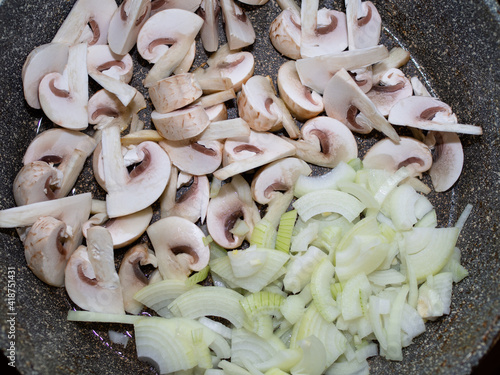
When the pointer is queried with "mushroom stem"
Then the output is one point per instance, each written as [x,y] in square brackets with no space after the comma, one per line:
[218,130]
[216,98]
[290,5]
[101,256]
[113,164]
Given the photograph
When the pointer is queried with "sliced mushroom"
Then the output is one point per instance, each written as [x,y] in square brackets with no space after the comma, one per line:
[316,72]
[219,130]
[159,5]
[132,278]
[244,154]
[239,30]
[322,32]
[302,102]
[44,59]
[36,182]
[179,247]
[409,153]
[217,113]
[126,23]
[343,99]
[105,104]
[232,203]
[277,177]
[423,112]
[88,22]
[363,78]
[396,59]
[392,87]
[363,24]
[63,97]
[132,192]
[285,34]
[175,92]
[325,142]
[448,159]
[196,158]
[209,10]
[91,278]
[165,39]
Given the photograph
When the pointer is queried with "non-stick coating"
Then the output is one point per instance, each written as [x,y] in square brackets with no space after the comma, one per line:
[454,43]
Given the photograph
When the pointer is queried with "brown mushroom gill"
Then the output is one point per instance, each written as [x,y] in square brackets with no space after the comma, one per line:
[96,32]
[358,82]
[61,240]
[189,192]
[105,111]
[183,249]
[429,113]
[51,159]
[202,149]
[438,148]
[389,88]
[123,13]
[109,64]
[229,223]
[364,20]
[142,166]
[276,186]
[325,29]
[352,112]
[159,42]
[411,160]
[157,4]
[58,92]
[323,140]
[139,274]
[50,189]
[230,64]
[247,147]
[308,96]
[84,277]
[268,103]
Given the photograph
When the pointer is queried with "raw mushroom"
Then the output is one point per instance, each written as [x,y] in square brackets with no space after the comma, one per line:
[165,39]
[219,130]
[259,106]
[126,23]
[105,104]
[88,22]
[239,29]
[285,34]
[209,10]
[175,92]
[396,59]
[409,153]
[217,113]
[363,24]
[277,177]
[44,59]
[392,87]
[233,203]
[325,142]
[132,278]
[63,97]
[448,159]
[36,182]
[91,278]
[159,5]
[343,99]
[322,32]
[302,102]
[424,112]
[363,78]
[179,247]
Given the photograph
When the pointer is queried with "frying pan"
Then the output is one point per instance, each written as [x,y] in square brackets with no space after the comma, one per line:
[455,50]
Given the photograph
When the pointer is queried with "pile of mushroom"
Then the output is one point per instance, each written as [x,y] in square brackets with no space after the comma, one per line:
[197,165]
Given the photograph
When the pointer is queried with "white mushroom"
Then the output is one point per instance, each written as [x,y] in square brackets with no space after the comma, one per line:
[209,10]
[343,99]
[159,5]
[239,29]
[302,102]
[63,97]
[175,92]
[105,104]
[396,59]
[126,23]
[392,87]
[285,34]
[179,247]
[165,39]
[88,22]
[36,182]
[363,24]
[44,59]
[363,78]
[232,204]
[91,278]
[219,130]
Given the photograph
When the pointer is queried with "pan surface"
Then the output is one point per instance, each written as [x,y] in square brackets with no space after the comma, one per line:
[455,50]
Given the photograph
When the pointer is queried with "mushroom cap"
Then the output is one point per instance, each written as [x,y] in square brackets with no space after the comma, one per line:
[181,124]
[233,202]
[363,23]
[285,34]
[36,182]
[420,111]
[239,30]
[179,247]
[302,102]
[209,10]
[175,92]
[217,112]
[326,142]
[392,87]
[276,177]
[390,156]
[448,161]
[44,59]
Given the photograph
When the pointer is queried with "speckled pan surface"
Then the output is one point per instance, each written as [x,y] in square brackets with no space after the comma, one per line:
[456,46]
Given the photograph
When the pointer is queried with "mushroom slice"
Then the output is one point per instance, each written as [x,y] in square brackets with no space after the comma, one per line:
[126,23]
[217,113]
[159,5]
[277,177]
[209,10]
[302,102]
[66,150]
[124,230]
[315,72]
[363,24]
[448,159]
[239,30]
[44,59]
[409,153]
[396,59]
[134,191]
[106,104]
[238,66]
[63,97]
[418,87]
[111,71]
[259,106]
[322,32]
[424,112]
[343,98]
[91,278]
[175,92]
[88,22]
[189,202]
[218,130]
[244,154]
[232,204]
[196,158]
[132,278]
[392,87]
[326,142]
[179,247]
[285,34]
[36,182]
[363,78]
[165,39]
